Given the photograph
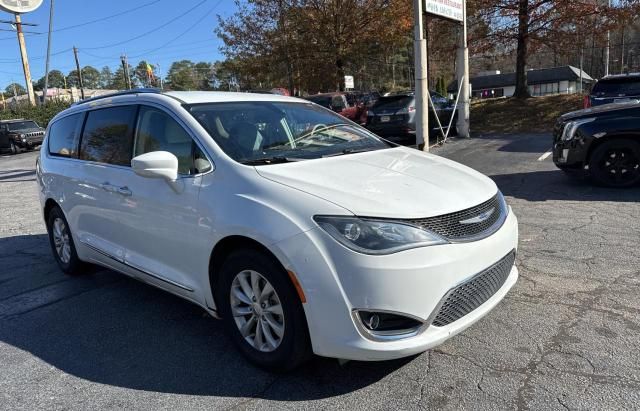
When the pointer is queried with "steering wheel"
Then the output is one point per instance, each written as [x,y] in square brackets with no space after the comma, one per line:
[305,135]
[317,126]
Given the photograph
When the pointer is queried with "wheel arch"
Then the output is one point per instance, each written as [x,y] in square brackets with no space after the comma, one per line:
[48,206]
[226,246]
[600,141]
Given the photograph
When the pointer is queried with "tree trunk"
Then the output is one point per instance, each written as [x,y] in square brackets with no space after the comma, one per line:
[522,88]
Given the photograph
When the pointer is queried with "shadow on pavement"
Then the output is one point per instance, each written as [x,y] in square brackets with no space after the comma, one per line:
[10,176]
[556,185]
[109,329]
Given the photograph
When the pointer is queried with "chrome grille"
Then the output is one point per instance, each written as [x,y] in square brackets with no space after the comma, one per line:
[459,226]
[471,294]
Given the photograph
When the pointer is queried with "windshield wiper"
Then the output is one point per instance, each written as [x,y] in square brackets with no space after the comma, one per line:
[270,160]
[352,151]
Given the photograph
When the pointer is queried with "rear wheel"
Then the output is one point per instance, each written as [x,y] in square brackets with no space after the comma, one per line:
[262,311]
[64,250]
[616,163]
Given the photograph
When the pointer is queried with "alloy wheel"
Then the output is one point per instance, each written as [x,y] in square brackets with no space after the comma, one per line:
[61,240]
[257,311]
[620,165]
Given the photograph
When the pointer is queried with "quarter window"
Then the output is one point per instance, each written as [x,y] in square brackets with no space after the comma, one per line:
[108,135]
[64,135]
[158,131]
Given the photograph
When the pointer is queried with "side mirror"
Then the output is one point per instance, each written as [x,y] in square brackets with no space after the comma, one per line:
[156,164]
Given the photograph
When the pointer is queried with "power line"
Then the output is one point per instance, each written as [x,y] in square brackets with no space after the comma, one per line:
[160,27]
[122,13]
[183,33]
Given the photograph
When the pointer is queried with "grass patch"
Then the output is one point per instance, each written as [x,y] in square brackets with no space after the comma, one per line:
[511,115]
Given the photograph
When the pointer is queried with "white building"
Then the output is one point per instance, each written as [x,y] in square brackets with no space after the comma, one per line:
[542,82]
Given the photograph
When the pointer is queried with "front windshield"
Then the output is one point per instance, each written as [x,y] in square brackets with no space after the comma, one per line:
[267,132]
[22,125]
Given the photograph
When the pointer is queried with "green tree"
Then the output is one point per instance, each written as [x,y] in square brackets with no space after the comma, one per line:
[118,79]
[223,76]
[142,76]
[182,76]
[72,79]
[90,77]
[56,80]
[106,77]
[15,88]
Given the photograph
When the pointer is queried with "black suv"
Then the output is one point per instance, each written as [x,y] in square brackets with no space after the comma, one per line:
[615,89]
[603,142]
[20,134]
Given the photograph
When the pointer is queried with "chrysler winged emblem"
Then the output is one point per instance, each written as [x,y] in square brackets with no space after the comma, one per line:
[479,218]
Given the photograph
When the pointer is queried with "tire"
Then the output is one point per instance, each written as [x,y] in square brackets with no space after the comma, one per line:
[292,348]
[62,245]
[616,163]
[14,148]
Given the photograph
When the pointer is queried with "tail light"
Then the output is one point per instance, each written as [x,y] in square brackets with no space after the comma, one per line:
[412,109]
[587,102]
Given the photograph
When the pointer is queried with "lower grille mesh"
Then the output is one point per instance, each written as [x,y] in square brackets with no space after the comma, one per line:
[471,294]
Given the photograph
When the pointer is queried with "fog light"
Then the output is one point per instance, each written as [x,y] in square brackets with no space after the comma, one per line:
[389,324]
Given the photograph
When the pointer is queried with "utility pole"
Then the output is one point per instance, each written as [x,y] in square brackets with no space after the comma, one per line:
[75,53]
[159,76]
[25,60]
[607,51]
[462,74]
[125,71]
[581,69]
[422,82]
[46,70]
[622,53]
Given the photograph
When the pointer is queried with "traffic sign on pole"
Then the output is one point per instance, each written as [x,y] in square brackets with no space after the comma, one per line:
[19,6]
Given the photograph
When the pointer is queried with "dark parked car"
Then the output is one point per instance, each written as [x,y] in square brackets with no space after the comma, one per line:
[17,135]
[603,142]
[615,89]
[393,116]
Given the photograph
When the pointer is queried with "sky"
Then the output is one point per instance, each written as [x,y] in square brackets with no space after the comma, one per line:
[158,31]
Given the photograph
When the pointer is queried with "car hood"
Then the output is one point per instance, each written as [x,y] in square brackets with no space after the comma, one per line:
[605,108]
[27,130]
[391,183]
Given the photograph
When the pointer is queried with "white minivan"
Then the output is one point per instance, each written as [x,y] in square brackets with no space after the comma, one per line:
[303,231]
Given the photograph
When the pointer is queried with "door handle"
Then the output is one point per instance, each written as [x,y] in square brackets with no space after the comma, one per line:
[108,187]
[124,190]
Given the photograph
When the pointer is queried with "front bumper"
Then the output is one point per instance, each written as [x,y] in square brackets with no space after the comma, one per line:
[569,154]
[29,142]
[337,281]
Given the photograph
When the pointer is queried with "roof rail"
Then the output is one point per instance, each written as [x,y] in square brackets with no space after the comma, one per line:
[122,93]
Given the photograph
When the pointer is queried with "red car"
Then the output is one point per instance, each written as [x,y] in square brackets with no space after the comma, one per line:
[339,103]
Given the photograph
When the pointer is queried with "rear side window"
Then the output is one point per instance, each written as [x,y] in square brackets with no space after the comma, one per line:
[108,135]
[64,135]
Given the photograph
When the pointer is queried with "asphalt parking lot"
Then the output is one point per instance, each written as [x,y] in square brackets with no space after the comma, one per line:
[566,337]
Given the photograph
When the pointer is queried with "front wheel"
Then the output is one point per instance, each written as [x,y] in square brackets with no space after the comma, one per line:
[14,148]
[616,163]
[262,311]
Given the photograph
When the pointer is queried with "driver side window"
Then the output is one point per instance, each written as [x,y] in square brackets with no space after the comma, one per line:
[158,131]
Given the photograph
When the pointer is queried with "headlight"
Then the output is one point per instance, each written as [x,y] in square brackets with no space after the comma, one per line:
[370,236]
[572,126]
